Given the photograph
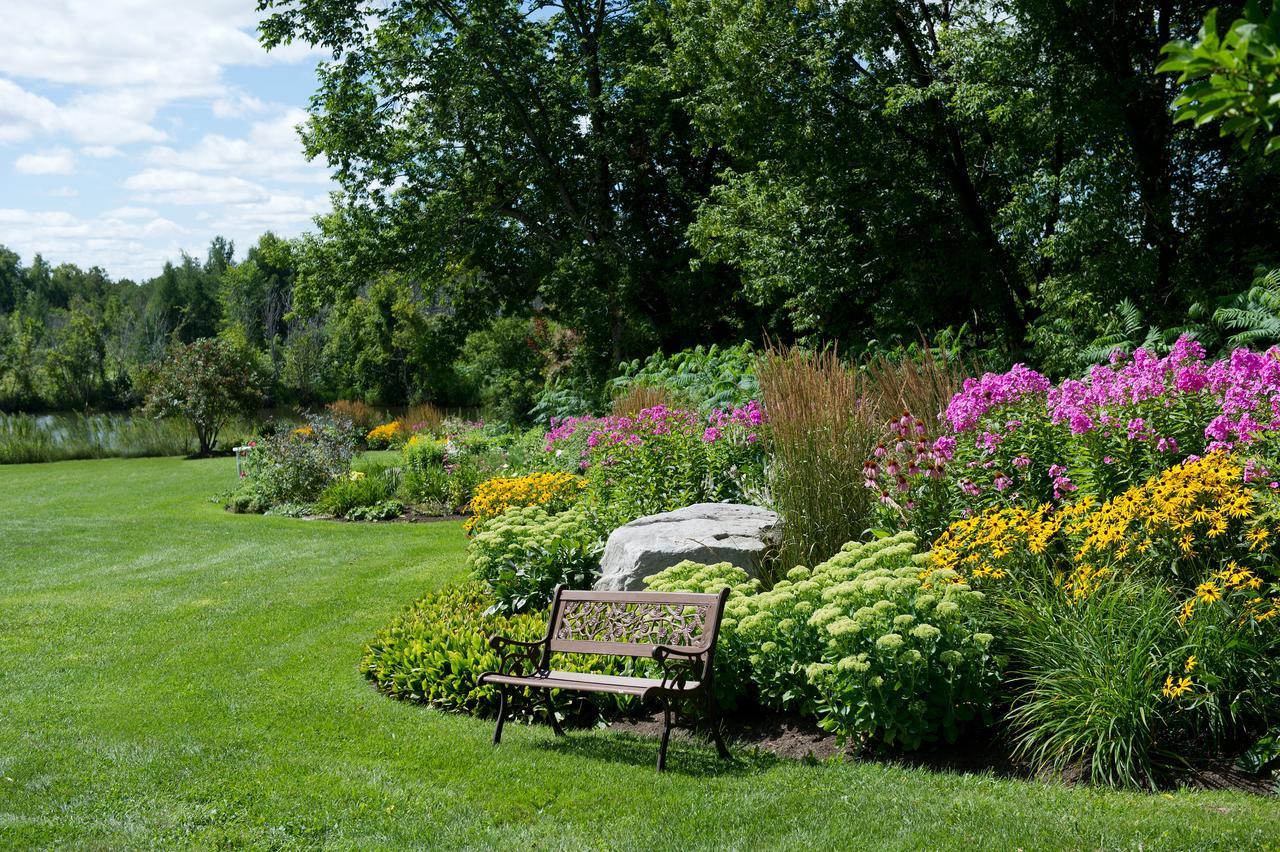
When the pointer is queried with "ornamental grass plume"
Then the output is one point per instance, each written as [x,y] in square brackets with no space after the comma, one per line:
[824,424]
[637,398]
[922,384]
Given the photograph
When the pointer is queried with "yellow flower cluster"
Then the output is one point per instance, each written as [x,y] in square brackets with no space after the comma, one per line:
[1176,689]
[553,491]
[1187,505]
[989,545]
[304,432]
[1200,514]
[384,435]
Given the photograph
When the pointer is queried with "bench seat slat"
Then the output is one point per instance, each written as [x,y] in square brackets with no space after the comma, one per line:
[586,682]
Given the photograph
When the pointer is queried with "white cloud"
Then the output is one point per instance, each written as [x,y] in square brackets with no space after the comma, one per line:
[130,213]
[238,105]
[126,60]
[135,99]
[57,161]
[272,149]
[23,114]
[184,187]
[135,249]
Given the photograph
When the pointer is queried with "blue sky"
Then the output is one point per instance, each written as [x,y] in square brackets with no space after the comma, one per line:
[131,130]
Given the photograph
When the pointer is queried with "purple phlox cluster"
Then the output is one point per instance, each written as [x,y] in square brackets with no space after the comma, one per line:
[1248,383]
[631,431]
[563,428]
[1086,404]
[1245,387]
[748,416]
[979,396]
[1062,483]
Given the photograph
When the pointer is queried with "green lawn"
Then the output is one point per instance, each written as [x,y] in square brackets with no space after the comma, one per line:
[174,675]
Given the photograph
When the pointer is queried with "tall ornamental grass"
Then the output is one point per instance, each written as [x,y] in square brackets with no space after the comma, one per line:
[826,419]
[823,427]
[921,383]
[28,438]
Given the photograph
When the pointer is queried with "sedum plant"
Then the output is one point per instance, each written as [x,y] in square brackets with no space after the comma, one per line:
[525,552]
[862,640]
[904,661]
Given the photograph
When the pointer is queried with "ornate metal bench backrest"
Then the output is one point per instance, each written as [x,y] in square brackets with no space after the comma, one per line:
[633,624]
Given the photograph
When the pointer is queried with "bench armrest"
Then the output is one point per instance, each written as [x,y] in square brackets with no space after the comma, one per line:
[661,652]
[519,658]
[680,665]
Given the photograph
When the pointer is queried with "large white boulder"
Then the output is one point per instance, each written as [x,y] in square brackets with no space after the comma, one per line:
[703,532]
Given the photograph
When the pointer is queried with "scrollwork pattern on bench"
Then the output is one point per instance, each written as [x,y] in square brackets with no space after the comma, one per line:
[630,622]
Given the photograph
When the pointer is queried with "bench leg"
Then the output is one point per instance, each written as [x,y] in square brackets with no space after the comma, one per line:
[666,735]
[551,714]
[502,714]
[713,719]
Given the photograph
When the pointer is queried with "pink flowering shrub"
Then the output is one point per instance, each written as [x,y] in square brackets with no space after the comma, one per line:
[1016,437]
[664,458]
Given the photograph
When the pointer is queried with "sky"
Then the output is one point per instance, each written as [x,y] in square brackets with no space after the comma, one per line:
[131,130]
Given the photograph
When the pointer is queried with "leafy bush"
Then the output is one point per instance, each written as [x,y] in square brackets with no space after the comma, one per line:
[860,640]
[1157,612]
[554,492]
[208,383]
[296,465]
[436,649]
[501,362]
[1088,681]
[357,490]
[732,664]
[904,660]
[525,552]
[706,377]
[424,479]
[383,510]
[664,459]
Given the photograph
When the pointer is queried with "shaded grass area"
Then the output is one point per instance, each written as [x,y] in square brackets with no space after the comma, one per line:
[174,675]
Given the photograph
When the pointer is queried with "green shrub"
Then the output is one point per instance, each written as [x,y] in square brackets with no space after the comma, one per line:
[356,490]
[296,465]
[424,480]
[796,644]
[904,662]
[524,553]
[710,378]
[436,649]
[1087,679]
[732,664]
[663,459]
[383,510]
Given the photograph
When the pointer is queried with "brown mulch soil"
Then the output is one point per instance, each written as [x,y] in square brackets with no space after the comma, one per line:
[799,738]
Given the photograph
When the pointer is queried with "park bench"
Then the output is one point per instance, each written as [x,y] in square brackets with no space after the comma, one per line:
[676,630]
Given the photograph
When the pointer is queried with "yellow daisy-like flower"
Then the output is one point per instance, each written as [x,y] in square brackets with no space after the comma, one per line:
[1207,593]
[1191,664]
